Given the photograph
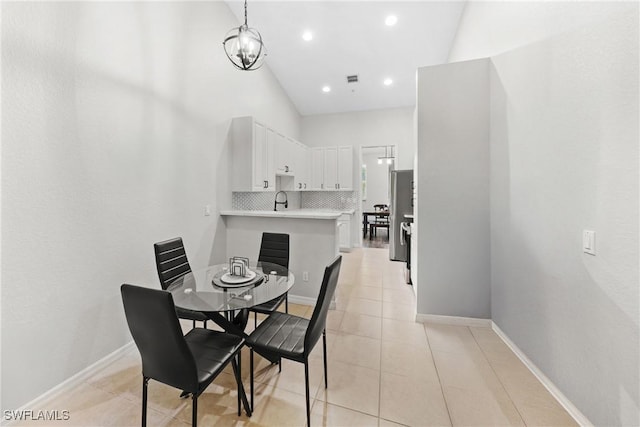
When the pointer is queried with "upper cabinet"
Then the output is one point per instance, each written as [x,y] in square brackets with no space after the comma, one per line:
[253,148]
[285,155]
[332,168]
[301,167]
[260,154]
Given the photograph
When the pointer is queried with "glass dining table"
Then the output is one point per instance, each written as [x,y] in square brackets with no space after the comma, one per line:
[227,304]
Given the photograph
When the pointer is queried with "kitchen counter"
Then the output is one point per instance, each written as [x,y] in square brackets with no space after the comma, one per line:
[314,242]
[291,213]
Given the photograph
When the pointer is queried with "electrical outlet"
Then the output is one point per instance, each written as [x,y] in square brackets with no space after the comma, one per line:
[305,276]
[589,242]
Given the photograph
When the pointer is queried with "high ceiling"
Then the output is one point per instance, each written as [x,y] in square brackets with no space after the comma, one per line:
[350,37]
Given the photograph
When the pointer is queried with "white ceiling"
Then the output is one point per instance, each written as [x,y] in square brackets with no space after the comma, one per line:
[350,37]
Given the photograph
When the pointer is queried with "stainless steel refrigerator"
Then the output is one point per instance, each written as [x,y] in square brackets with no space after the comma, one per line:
[400,195]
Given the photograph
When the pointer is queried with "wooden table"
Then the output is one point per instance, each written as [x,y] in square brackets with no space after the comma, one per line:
[365,219]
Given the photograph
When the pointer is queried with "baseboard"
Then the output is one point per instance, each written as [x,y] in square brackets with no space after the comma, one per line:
[574,412]
[296,299]
[453,320]
[70,383]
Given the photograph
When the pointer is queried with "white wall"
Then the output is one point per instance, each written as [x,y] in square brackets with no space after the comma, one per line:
[452,236]
[365,128]
[377,181]
[115,121]
[488,28]
[564,157]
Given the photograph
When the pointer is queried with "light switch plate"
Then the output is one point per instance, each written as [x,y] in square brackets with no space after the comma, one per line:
[589,242]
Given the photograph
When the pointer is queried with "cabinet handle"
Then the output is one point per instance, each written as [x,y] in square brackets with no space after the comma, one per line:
[286,168]
[322,186]
[305,185]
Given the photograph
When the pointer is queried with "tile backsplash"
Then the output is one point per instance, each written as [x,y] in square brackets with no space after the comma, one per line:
[329,199]
[259,201]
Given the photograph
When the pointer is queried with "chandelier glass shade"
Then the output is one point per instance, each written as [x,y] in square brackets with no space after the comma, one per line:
[389,158]
[244,47]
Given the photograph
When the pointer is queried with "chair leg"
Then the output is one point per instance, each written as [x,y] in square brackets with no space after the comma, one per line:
[324,356]
[286,302]
[145,383]
[306,386]
[240,376]
[255,319]
[205,324]
[194,324]
[194,412]
[251,375]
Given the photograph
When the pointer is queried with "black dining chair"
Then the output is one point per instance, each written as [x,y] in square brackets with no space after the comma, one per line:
[172,263]
[189,362]
[293,337]
[379,221]
[274,248]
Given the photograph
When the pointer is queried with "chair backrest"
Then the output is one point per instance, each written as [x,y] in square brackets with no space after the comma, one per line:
[152,320]
[381,207]
[171,261]
[274,248]
[319,316]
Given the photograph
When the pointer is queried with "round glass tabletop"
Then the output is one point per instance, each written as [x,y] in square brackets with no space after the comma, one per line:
[202,290]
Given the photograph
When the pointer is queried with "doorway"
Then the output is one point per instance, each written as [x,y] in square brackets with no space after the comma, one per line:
[375,163]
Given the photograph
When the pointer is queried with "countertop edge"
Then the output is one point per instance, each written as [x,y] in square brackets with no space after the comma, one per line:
[298,214]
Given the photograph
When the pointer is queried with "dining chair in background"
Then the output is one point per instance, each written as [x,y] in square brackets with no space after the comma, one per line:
[293,337]
[172,263]
[190,362]
[379,221]
[274,249]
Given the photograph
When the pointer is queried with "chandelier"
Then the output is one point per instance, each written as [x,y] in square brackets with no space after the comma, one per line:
[389,158]
[244,47]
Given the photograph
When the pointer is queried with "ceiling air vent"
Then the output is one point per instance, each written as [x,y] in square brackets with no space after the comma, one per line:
[352,79]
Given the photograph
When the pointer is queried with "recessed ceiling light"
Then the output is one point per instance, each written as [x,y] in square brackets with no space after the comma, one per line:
[388,82]
[326,89]
[391,20]
[307,36]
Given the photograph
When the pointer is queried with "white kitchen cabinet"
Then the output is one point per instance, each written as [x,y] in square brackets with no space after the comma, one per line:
[344,232]
[317,168]
[301,167]
[332,168]
[285,157]
[252,156]
[345,168]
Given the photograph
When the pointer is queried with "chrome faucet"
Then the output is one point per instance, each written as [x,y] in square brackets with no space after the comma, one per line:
[276,202]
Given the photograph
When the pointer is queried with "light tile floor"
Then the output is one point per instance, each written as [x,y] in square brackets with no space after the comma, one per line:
[384,370]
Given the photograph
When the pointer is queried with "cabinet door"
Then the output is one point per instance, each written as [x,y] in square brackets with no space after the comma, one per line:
[344,232]
[290,155]
[345,168]
[259,156]
[331,168]
[299,166]
[269,156]
[317,168]
[304,168]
